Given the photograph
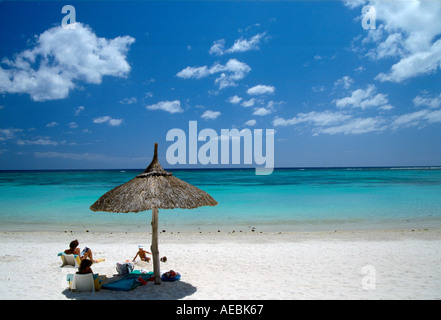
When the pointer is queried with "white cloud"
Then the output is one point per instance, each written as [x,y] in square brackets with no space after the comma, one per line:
[194,72]
[261,111]
[268,109]
[409,120]
[360,69]
[38,141]
[345,82]
[408,31]
[418,118]
[234,99]
[354,3]
[260,89]
[391,47]
[79,110]
[60,58]
[230,73]
[90,157]
[235,69]
[328,122]
[7,134]
[271,104]
[168,106]
[52,124]
[248,103]
[250,123]
[324,118]
[363,99]
[318,88]
[434,116]
[355,126]
[210,115]
[431,102]
[110,121]
[282,122]
[130,100]
[73,125]
[240,45]
[414,65]
[218,47]
[386,107]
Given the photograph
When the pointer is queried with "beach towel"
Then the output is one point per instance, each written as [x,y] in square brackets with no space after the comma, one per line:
[128,282]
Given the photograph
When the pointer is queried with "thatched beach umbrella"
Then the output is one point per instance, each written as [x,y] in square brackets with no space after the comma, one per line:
[153,189]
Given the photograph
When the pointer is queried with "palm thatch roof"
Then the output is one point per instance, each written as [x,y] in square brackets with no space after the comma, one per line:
[154,188]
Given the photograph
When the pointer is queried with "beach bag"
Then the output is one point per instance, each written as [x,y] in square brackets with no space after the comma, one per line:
[124,268]
[170,276]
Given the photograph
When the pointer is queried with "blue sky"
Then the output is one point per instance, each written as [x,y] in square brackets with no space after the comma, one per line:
[336,94]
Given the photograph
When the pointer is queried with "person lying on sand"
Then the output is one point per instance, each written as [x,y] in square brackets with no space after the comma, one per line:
[85,254]
[142,254]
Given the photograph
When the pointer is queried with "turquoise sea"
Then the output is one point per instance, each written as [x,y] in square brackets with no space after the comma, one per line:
[287,200]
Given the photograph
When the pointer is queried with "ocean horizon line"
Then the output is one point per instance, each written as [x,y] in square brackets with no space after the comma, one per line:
[296,198]
[416,167]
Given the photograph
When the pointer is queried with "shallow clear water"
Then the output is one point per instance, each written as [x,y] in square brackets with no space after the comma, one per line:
[286,200]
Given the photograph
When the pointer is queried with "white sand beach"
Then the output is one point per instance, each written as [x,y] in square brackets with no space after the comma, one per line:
[395,264]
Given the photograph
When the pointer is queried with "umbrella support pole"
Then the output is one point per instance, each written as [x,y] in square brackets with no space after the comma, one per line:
[154,247]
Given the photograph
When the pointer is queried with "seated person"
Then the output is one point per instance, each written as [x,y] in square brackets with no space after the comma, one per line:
[142,254]
[85,268]
[73,249]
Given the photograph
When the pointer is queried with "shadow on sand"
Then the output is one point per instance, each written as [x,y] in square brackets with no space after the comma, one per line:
[165,291]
